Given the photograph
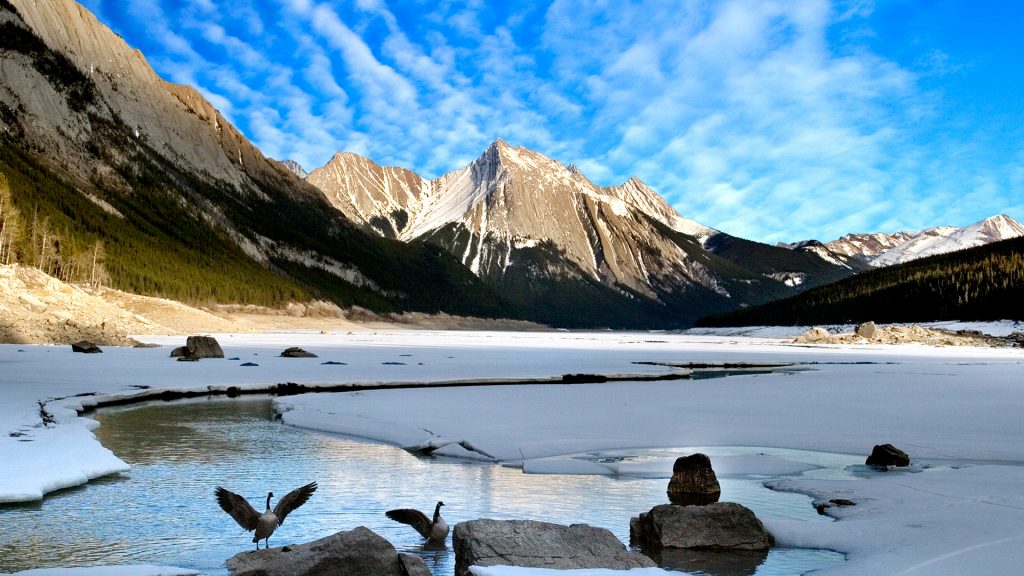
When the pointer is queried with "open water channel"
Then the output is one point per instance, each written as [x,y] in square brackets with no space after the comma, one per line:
[163,511]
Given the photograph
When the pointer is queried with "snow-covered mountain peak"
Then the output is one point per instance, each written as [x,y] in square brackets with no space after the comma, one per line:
[881,249]
[295,168]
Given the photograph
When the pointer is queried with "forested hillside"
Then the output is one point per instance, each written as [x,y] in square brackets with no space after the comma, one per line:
[88,196]
[983,283]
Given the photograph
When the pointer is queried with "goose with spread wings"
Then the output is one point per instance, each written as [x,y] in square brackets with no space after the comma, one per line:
[264,524]
[434,530]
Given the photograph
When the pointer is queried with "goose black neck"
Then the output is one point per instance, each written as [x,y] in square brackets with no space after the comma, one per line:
[437,511]
[269,494]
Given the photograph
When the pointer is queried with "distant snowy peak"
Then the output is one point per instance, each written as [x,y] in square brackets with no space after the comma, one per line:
[887,249]
[295,168]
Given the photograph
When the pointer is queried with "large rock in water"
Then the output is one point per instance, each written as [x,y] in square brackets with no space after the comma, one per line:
[718,526]
[358,552]
[693,481]
[887,455]
[197,347]
[532,544]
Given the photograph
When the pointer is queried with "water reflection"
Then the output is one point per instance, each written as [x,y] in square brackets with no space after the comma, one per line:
[163,511]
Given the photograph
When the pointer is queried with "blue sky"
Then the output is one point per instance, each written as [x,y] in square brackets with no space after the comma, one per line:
[770,120]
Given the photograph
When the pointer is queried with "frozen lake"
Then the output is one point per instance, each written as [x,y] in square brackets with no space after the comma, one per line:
[163,511]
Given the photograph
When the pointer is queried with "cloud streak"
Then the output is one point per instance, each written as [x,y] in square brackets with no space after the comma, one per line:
[775,120]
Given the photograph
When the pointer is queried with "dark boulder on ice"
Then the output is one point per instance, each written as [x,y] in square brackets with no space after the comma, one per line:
[718,526]
[866,330]
[533,544]
[85,347]
[888,455]
[693,481]
[296,352]
[356,552]
[198,347]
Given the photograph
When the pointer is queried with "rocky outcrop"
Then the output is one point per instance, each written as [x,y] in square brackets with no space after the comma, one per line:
[356,552]
[532,544]
[886,455]
[693,481]
[896,334]
[198,347]
[718,526]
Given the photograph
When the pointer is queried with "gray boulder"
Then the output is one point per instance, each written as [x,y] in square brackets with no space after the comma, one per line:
[197,347]
[358,552]
[887,455]
[296,352]
[693,481]
[532,544]
[718,526]
[866,330]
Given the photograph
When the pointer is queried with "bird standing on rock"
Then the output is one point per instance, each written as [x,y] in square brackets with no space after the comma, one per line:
[435,531]
[264,524]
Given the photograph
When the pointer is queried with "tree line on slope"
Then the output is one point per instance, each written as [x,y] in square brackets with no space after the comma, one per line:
[983,283]
[124,215]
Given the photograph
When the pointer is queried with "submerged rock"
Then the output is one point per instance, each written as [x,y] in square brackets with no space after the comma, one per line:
[887,455]
[693,481]
[532,544]
[296,352]
[356,552]
[718,526]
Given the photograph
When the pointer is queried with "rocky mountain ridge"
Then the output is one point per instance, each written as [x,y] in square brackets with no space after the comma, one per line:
[525,222]
[880,249]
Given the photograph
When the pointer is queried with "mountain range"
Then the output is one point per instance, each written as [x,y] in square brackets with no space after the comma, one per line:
[555,244]
[112,175]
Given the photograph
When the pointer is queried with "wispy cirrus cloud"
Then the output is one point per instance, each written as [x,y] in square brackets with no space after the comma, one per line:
[775,119]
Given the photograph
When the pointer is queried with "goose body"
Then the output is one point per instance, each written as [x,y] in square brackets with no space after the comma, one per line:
[435,529]
[263,524]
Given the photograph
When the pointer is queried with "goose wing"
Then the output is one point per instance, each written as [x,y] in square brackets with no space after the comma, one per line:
[293,500]
[414,518]
[238,507]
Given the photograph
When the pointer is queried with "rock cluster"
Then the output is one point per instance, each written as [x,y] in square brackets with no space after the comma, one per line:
[868,332]
[532,544]
[358,551]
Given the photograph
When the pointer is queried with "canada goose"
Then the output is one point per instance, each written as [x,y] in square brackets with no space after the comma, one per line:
[435,531]
[264,524]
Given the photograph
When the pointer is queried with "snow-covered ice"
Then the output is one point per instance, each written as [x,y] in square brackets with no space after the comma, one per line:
[957,410]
